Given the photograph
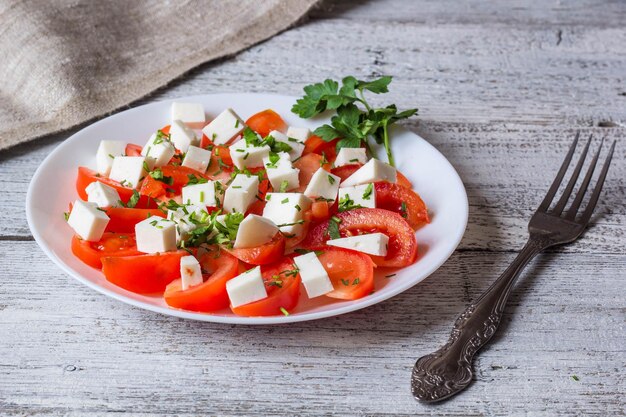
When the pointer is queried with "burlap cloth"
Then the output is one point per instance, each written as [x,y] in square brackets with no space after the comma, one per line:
[64,62]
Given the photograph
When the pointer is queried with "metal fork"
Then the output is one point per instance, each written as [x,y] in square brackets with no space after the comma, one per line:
[447,371]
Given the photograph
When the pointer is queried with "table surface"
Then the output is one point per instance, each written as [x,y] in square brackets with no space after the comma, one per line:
[502,88]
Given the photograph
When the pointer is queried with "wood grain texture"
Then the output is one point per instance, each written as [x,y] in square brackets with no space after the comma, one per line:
[502,88]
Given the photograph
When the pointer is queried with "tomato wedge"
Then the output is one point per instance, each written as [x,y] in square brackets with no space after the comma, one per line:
[211,295]
[265,121]
[143,274]
[402,247]
[320,210]
[315,144]
[123,220]
[178,176]
[403,201]
[352,273]
[111,244]
[265,254]
[282,283]
[133,150]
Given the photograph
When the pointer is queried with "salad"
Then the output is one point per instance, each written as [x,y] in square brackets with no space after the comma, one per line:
[251,215]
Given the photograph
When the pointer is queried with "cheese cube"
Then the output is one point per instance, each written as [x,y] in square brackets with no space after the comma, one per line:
[224,127]
[372,244]
[192,114]
[314,276]
[359,195]
[204,194]
[246,288]
[158,150]
[323,185]
[155,234]
[241,193]
[245,156]
[103,195]
[190,272]
[197,158]
[286,210]
[347,156]
[87,221]
[281,173]
[128,170]
[182,136]
[374,170]
[188,219]
[254,231]
[293,138]
[107,150]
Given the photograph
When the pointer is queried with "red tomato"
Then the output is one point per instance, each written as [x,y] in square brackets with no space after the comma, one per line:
[265,121]
[165,129]
[320,210]
[265,254]
[402,247]
[308,165]
[282,283]
[133,150]
[86,176]
[111,244]
[143,274]
[211,295]
[152,188]
[123,220]
[180,178]
[315,144]
[345,171]
[352,273]
[403,201]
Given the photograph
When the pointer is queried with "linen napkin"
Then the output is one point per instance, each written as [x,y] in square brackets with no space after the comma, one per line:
[64,62]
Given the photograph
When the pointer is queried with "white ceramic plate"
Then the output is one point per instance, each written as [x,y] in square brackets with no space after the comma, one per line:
[52,188]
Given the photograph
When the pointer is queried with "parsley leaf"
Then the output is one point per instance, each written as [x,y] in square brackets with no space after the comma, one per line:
[333,228]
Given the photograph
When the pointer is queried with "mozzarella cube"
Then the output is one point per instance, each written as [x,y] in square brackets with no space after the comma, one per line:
[359,195]
[254,231]
[182,136]
[323,186]
[245,156]
[107,151]
[190,272]
[314,276]
[281,173]
[246,288]
[241,193]
[192,114]
[188,219]
[155,234]
[87,221]
[372,244]
[374,170]
[224,127]
[128,170]
[210,193]
[293,138]
[197,158]
[103,195]
[347,156]
[286,210]
[158,150]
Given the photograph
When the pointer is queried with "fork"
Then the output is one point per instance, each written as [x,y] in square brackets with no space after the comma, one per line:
[447,371]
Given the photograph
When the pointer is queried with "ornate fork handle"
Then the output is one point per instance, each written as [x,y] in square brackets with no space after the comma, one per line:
[449,370]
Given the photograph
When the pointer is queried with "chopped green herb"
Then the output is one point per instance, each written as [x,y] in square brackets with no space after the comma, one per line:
[237,123]
[354,160]
[389,276]
[246,156]
[268,197]
[367,194]
[284,311]
[157,174]
[283,186]
[132,201]
[202,196]
[345,282]
[240,150]
[66,215]
[324,161]
[286,200]
[298,207]
[331,180]
[356,281]
[111,156]
[195,180]
[290,224]
[333,229]
[346,203]
[575,378]
[235,186]
[403,210]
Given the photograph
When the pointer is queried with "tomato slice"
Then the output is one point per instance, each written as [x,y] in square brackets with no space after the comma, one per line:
[403,201]
[345,171]
[143,274]
[402,247]
[179,177]
[265,121]
[211,295]
[320,210]
[123,220]
[111,244]
[352,273]
[315,144]
[282,283]
[265,254]
[133,150]
[308,165]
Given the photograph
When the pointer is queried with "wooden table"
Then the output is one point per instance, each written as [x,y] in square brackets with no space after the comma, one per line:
[502,88]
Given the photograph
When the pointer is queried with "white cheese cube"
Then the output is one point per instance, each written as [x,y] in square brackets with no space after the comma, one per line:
[347,156]
[155,234]
[246,288]
[245,156]
[372,244]
[197,158]
[286,210]
[107,151]
[323,185]
[374,170]
[293,138]
[281,173]
[314,276]
[190,272]
[128,170]
[188,219]
[182,136]
[205,194]
[359,195]
[224,127]
[87,221]
[103,195]
[192,114]
[254,231]
[241,193]
[158,150]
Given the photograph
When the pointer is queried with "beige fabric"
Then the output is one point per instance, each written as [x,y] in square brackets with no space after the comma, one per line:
[64,62]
